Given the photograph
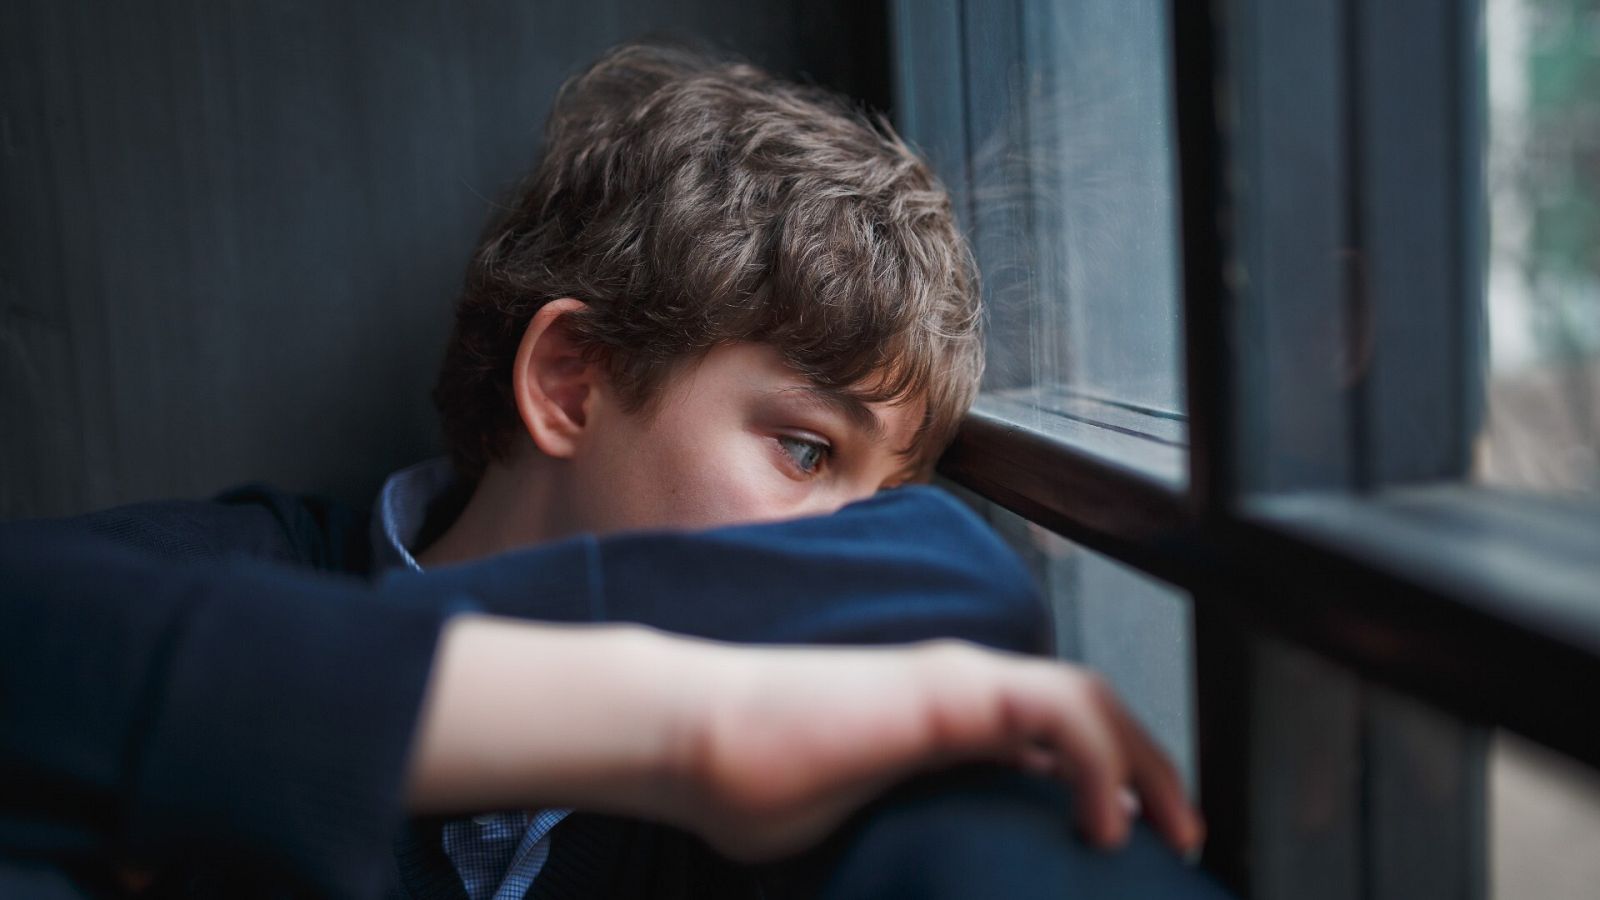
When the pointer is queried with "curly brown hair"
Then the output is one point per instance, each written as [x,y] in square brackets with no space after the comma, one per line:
[691,202]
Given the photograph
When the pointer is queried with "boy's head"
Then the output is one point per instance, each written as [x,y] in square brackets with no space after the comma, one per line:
[707,254]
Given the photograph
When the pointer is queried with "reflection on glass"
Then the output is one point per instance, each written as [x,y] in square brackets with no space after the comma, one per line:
[1059,152]
[1099,147]
[1543,160]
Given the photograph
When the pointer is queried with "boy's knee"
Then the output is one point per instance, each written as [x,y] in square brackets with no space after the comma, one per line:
[982,831]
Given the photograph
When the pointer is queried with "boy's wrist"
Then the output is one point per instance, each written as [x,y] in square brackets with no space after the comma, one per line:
[664,687]
[683,686]
[520,714]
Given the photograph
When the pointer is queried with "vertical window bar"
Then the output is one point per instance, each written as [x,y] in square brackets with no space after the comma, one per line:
[1265,273]
[1205,220]
[1224,653]
[1412,75]
[1415,200]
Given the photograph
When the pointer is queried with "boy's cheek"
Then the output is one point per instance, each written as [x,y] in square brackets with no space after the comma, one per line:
[668,489]
[730,492]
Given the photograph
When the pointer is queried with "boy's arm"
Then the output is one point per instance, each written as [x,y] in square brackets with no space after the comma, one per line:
[906,565]
[239,710]
[762,751]
[258,711]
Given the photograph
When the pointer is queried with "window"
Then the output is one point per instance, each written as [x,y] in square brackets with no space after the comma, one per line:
[1249,265]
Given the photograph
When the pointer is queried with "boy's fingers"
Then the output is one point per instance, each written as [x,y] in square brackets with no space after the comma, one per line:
[1063,721]
[1106,751]
[1158,783]
[1073,721]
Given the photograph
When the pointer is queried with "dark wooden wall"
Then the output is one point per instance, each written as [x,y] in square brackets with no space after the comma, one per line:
[231,232]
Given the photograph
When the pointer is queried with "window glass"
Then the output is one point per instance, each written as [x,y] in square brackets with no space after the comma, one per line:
[1134,630]
[1542,424]
[1100,156]
[1542,427]
[1052,124]
[1542,807]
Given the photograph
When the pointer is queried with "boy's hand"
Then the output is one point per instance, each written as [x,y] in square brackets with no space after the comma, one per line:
[783,744]
[762,751]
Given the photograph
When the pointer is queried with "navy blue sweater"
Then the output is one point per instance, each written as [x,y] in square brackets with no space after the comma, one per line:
[220,681]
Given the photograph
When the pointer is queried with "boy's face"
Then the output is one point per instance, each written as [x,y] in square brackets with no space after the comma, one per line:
[737,437]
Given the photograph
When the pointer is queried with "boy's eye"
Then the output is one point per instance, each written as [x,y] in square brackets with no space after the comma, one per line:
[808,456]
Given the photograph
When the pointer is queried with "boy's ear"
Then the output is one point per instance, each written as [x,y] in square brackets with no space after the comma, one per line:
[553,380]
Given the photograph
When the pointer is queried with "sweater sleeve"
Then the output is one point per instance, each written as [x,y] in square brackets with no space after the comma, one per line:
[161,700]
[235,710]
[906,565]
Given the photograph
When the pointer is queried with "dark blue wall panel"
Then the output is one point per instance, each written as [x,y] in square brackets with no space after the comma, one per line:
[231,233]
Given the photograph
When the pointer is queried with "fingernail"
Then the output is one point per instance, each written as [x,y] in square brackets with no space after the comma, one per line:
[1191,856]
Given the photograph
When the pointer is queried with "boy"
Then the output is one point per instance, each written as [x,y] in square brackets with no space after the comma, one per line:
[719,299]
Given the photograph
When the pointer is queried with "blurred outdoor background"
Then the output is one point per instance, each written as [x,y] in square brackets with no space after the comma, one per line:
[1542,425]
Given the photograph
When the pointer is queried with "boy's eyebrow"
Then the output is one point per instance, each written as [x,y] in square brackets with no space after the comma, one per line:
[859,414]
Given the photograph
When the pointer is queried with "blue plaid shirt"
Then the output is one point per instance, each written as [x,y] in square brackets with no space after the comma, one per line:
[497,855]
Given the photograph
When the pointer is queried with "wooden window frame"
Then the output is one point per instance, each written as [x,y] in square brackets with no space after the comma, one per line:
[1376,554]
